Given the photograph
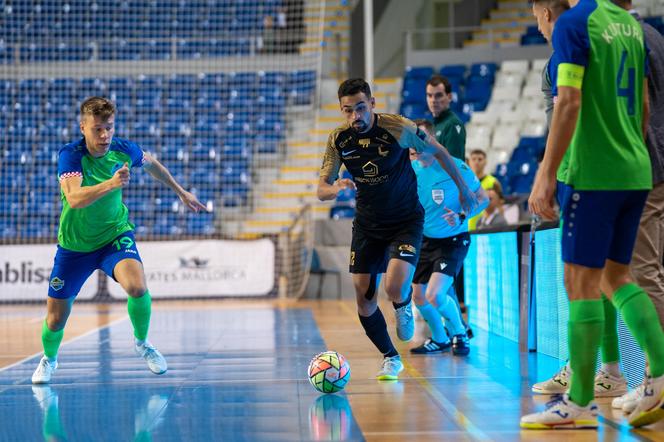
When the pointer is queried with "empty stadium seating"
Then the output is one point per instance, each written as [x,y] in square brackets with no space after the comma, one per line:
[206,128]
[79,30]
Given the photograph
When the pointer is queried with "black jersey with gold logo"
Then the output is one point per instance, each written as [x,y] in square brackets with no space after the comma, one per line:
[379,162]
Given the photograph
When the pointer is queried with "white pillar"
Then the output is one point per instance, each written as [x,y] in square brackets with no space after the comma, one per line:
[368,42]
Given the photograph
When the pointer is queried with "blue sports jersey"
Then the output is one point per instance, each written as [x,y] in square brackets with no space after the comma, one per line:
[437,191]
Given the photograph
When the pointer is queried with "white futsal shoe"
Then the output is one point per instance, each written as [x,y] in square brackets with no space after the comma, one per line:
[44,371]
[561,413]
[650,406]
[607,385]
[156,362]
[405,322]
[390,369]
[628,401]
[558,384]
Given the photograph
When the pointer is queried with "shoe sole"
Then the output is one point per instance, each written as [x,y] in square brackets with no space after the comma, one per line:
[38,382]
[576,425]
[547,392]
[386,377]
[610,393]
[651,416]
[447,350]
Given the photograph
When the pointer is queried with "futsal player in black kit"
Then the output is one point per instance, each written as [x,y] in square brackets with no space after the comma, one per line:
[387,229]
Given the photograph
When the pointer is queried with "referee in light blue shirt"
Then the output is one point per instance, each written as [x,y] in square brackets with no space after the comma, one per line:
[444,247]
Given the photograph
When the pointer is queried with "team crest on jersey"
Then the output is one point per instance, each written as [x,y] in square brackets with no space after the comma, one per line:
[57,283]
[438,196]
[364,142]
[116,167]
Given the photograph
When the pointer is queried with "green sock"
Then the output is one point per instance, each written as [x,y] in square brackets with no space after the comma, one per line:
[586,322]
[641,318]
[609,344]
[51,341]
[139,312]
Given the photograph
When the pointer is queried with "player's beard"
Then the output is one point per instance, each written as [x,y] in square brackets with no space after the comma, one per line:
[359,126]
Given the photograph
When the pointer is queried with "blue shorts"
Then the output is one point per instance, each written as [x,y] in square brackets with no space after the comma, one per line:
[600,225]
[71,269]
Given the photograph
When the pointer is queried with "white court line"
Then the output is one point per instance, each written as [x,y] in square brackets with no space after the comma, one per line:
[124,318]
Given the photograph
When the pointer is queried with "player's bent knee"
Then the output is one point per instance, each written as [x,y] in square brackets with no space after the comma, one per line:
[56,321]
[137,291]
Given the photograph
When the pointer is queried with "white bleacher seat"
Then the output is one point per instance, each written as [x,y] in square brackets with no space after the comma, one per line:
[509,79]
[510,94]
[476,140]
[499,107]
[515,66]
[497,156]
[534,128]
[506,136]
[539,64]
[486,118]
[532,90]
[532,106]
[514,118]
[479,130]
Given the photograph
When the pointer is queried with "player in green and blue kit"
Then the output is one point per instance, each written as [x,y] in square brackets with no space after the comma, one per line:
[445,245]
[95,232]
[599,120]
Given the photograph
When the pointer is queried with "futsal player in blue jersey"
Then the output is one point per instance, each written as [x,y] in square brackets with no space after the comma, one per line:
[445,245]
[600,117]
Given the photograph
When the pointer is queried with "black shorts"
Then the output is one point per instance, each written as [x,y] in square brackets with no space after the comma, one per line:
[372,248]
[441,255]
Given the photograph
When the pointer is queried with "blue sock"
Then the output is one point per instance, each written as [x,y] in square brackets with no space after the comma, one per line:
[376,329]
[450,311]
[435,322]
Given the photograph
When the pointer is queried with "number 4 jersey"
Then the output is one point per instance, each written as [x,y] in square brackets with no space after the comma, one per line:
[599,48]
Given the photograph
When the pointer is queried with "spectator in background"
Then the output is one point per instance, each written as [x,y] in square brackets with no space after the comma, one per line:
[477,163]
[448,128]
[493,215]
[266,43]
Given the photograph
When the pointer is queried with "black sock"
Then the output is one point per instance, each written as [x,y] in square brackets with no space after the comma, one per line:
[376,329]
[406,302]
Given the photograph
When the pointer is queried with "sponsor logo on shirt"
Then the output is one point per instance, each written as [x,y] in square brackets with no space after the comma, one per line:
[370,170]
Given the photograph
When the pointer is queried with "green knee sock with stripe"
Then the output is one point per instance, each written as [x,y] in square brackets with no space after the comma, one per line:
[609,345]
[585,327]
[51,341]
[639,314]
[139,312]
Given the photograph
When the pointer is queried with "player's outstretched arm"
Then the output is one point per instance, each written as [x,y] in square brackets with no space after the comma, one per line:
[328,190]
[159,172]
[563,125]
[78,196]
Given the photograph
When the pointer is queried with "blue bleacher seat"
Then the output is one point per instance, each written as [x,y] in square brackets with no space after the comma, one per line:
[455,73]
[419,72]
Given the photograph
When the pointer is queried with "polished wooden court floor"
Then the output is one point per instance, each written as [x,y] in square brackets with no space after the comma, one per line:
[237,371]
